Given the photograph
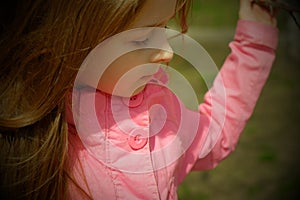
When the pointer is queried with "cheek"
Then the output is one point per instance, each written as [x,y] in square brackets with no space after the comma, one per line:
[129,62]
[125,71]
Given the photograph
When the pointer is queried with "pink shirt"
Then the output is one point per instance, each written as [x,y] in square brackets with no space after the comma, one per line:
[143,147]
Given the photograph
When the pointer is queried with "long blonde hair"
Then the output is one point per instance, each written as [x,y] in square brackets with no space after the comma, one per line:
[42,46]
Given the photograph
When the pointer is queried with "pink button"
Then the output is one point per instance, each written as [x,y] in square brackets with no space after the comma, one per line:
[134,101]
[137,140]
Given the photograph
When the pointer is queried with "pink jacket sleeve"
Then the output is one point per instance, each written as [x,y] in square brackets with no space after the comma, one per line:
[230,102]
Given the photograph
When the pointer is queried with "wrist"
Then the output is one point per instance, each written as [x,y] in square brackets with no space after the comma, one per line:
[257,13]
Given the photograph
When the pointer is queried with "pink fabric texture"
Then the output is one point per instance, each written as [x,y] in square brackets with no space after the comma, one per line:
[143,147]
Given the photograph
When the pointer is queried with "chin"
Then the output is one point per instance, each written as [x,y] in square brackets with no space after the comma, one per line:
[140,89]
[128,93]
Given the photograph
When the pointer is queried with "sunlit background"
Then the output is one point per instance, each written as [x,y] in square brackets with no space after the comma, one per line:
[265,163]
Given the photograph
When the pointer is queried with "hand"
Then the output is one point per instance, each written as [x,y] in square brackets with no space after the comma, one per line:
[253,12]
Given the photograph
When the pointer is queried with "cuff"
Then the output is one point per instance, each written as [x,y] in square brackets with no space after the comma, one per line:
[257,33]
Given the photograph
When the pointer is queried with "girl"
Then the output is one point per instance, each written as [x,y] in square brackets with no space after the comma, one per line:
[52,148]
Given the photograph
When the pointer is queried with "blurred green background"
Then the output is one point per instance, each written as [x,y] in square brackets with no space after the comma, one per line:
[265,162]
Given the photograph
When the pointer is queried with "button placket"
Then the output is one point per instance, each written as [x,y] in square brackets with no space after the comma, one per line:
[138,138]
[134,101]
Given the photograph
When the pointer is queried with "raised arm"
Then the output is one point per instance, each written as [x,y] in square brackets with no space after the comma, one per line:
[230,102]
